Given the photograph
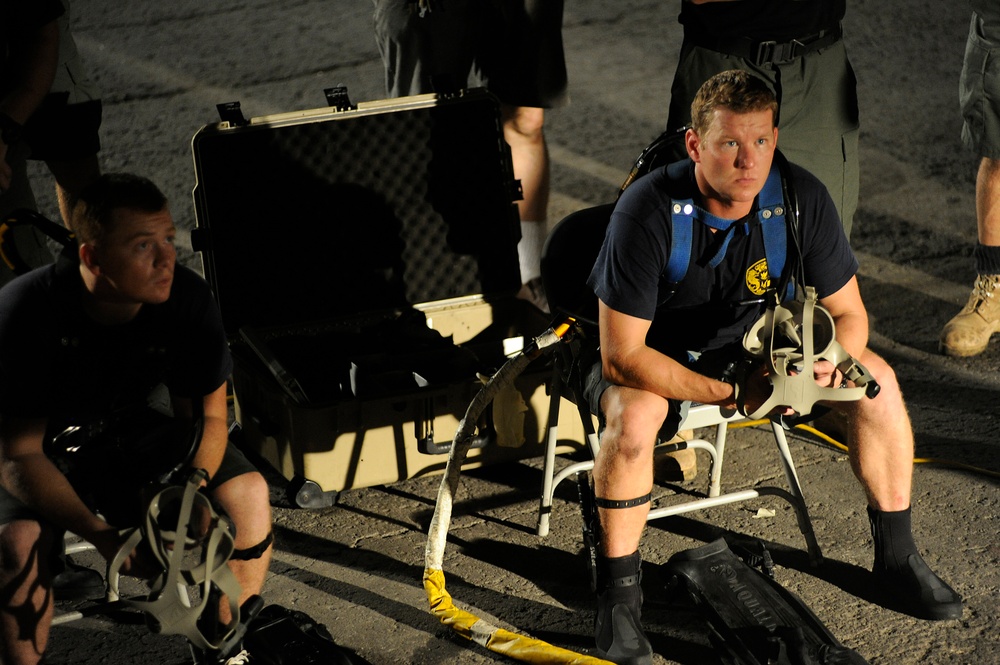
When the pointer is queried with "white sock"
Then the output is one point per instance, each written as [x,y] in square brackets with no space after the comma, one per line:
[529,249]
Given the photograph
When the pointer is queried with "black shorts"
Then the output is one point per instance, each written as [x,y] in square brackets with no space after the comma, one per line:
[234,463]
[512,47]
[594,385]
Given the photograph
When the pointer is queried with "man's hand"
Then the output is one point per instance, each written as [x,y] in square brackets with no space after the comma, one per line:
[754,390]
[827,375]
[139,563]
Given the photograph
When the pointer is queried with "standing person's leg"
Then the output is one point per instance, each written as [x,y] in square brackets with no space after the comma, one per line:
[969,332]
[71,176]
[819,123]
[522,63]
[418,47]
[524,133]
[28,243]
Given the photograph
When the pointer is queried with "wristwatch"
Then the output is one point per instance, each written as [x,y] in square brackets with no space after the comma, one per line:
[10,129]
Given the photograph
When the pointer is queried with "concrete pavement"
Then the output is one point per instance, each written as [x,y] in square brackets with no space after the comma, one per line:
[357,566]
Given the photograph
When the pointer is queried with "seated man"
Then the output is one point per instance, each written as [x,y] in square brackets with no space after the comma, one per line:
[84,343]
[644,376]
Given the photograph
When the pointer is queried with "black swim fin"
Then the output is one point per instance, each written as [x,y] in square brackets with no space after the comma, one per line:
[753,619]
[280,636]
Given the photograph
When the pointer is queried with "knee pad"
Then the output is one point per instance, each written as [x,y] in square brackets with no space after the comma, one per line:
[255,552]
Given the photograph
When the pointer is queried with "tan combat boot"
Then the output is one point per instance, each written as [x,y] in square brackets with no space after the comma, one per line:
[969,332]
[681,465]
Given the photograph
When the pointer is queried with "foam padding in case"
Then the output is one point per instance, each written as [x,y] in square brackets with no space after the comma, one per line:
[323,215]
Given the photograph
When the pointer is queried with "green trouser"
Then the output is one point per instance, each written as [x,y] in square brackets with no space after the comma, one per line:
[818,112]
[979,86]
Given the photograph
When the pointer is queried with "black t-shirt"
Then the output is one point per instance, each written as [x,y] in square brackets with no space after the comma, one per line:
[704,313]
[56,363]
[759,20]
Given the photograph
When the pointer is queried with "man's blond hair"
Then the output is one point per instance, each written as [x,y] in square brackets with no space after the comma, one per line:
[736,90]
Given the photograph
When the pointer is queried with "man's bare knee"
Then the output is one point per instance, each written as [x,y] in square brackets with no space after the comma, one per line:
[524,121]
[246,500]
[23,544]
[633,418]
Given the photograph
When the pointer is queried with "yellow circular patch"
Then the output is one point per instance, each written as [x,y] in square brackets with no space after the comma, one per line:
[758,280]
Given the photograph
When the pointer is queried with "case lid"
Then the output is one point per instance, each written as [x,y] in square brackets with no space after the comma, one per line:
[322,214]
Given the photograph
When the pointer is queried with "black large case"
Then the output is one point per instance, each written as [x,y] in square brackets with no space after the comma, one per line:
[365,262]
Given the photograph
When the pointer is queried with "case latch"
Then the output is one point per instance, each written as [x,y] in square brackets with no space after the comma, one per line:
[230,112]
[337,98]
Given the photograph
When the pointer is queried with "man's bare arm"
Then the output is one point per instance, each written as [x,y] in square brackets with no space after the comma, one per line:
[628,361]
[216,430]
[30,476]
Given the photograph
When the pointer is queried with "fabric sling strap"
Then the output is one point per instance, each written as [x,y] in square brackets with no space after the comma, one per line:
[770,215]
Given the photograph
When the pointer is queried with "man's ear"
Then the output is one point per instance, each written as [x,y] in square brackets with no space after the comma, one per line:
[692,143]
[88,258]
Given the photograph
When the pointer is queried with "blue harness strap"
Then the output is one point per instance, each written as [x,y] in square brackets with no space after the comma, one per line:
[770,216]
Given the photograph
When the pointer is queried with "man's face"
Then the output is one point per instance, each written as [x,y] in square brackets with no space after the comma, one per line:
[733,157]
[137,257]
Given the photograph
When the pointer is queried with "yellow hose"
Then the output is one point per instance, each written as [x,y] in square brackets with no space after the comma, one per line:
[471,627]
[840,446]
[466,624]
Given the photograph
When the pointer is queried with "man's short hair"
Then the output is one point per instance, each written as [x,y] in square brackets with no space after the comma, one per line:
[736,90]
[93,212]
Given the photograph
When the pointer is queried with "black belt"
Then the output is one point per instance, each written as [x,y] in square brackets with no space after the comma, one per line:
[772,52]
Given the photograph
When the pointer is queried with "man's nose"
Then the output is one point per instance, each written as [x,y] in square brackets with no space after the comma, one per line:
[744,158]
[166,253]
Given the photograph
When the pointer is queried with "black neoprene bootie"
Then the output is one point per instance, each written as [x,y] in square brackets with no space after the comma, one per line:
[903,574]
[618,627]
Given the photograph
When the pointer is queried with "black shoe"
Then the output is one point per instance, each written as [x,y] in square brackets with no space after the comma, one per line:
[915,590]
[77,582]
[620,638]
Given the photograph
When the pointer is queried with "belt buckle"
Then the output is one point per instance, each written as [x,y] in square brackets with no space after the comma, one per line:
[765,52]
[772,52]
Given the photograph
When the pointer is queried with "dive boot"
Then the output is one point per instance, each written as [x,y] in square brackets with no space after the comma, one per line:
[907,581]
[916,590]
[617,626]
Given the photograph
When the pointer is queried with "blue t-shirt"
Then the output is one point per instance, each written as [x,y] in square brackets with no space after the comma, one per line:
[709,308]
